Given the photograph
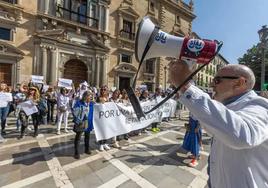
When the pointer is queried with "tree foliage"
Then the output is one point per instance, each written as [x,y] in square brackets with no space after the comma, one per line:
[253,59]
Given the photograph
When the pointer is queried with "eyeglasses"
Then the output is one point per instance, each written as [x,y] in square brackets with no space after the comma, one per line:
[218,79]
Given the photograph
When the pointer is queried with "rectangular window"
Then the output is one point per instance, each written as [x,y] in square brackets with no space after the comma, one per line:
[82,11]
[125,58]
[5,34]
[126,32]
[103,19]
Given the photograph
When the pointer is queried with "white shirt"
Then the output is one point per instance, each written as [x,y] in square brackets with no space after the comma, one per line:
[239,152]
[62,100]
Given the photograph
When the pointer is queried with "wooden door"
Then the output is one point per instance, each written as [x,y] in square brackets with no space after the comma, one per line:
[75,70]
[6,73]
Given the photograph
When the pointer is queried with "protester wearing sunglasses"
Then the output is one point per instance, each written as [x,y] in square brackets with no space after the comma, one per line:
[237,118]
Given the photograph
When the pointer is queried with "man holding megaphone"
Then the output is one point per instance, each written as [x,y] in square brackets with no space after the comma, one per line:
[237,117]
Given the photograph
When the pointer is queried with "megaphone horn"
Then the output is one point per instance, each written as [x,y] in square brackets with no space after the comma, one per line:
[164,44]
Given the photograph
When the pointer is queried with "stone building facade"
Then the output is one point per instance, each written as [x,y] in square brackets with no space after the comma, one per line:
[172,16]
[54,38]
[90,40]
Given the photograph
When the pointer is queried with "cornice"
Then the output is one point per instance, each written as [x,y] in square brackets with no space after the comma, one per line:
[181,8]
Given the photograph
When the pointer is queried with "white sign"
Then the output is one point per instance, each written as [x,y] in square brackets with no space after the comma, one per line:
[37,79]
[67,83]
[45,88]
[5,97]
[28,107]
[113,119]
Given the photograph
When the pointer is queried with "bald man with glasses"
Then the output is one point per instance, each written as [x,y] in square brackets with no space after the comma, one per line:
[237,118]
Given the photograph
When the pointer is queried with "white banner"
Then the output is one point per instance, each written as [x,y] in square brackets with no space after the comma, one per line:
[67,83]
[28,107]
[37,79]
[5,97]
[111,119]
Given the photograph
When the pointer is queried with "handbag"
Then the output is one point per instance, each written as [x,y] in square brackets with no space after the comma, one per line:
[79,127]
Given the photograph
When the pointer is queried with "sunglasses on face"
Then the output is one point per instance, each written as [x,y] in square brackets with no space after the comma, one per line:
[218,79]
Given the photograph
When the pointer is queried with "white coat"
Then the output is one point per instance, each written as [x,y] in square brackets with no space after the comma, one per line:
[239,151]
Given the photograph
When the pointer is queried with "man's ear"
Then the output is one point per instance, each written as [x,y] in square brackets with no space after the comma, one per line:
[241,82]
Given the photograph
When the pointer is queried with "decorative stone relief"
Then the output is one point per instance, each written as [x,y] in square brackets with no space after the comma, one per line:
[3,48]
[6,15]
[45,23]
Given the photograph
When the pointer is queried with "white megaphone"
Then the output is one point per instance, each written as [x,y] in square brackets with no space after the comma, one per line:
[152,42]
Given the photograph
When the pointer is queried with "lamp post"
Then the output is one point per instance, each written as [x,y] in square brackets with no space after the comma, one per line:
[165,78]
[263,34]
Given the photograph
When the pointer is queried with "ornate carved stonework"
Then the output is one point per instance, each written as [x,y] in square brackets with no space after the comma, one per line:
[125,68]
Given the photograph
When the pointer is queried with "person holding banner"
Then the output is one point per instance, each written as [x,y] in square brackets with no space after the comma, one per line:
[83,121]
[5,99]
[116,99]
[157,97]
[236,117]
[103,98]
[32,94]
[63,107]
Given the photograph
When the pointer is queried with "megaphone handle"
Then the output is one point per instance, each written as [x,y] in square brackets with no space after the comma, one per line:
[146,49]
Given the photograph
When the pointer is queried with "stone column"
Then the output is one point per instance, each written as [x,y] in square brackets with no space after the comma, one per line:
[97,75]
[46,6]
[89,71]
[18,72]
[120,24]
[100,18]
[93,71]
[107,19]
[104,70]
[44,63]
[54,67]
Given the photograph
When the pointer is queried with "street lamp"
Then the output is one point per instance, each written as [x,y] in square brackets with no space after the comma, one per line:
[165,78]
[263,34]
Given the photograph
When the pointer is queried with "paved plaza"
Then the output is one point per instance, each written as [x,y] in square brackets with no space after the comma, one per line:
[149,160]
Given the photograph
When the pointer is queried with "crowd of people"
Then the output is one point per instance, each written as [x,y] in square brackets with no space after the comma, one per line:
[235,116]
[55,104]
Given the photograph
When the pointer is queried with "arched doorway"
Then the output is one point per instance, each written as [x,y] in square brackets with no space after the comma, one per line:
[75,70]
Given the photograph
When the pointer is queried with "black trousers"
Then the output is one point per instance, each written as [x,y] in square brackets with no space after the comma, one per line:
[24,122]
[77,141]
[50,113]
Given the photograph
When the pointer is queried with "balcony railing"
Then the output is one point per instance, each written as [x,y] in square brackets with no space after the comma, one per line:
[127,35]
[11,1]
[77,17]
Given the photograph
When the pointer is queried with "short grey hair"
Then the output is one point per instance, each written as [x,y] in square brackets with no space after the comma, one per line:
[243,71]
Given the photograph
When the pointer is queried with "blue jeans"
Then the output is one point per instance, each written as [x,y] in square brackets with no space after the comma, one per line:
[3,116]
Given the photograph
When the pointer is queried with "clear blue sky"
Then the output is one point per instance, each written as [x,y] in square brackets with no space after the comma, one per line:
[235,22]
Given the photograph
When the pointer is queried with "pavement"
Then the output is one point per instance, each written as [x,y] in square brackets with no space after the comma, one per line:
[148,160]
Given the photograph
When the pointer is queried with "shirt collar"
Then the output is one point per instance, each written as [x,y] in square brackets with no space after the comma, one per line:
[232,99]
